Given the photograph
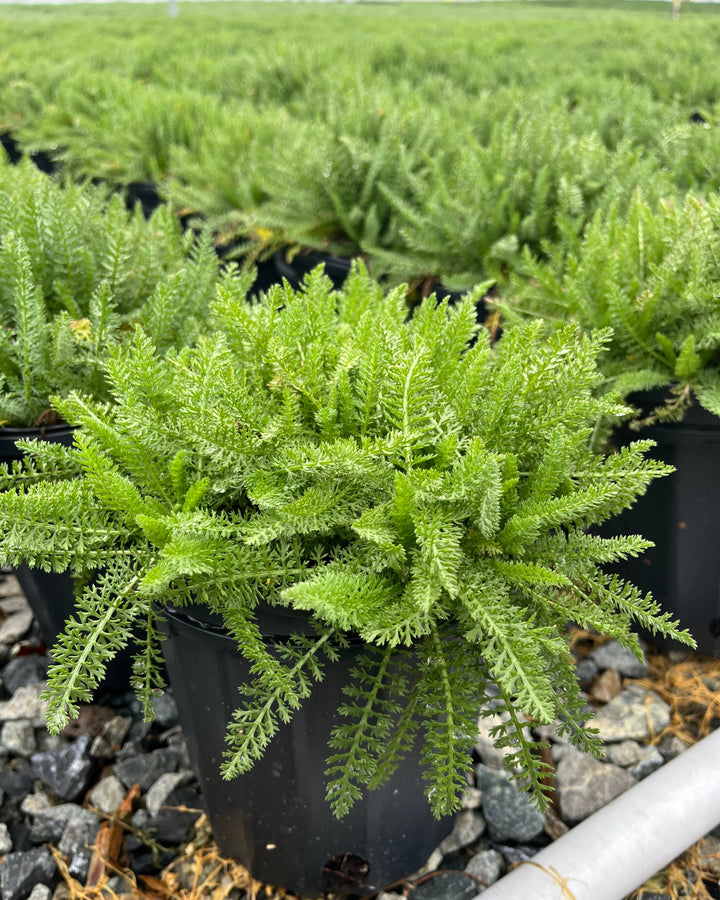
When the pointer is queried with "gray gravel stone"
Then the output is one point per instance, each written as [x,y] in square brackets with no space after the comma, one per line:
[9,586]
[78,834]
[612,655]
[147,768]
[166,711]
[15,782]
[77,838]
[40,892]
[671,746]
[472,798]
[487,865]
[26,704]
[6,843]
[47,742]
[585,671]
[492,756]
[49,824]
[517,854]
[469,826]
[32,804]
[445,886]
[651,761]
[108,794]
[508,813]
[18,621]
[111,738]
[24,670]
[585,785]
[67,771]
[166,784]
[18,738]
[21,872]
[635,714]
[625,754]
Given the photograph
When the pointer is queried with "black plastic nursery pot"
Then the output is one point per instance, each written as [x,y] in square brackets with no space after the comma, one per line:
[51,595]
[11,147]
[681,515]
[275,819]
[144,193]
[294,270]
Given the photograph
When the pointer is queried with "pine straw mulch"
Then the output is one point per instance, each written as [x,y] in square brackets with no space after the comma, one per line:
[690,685]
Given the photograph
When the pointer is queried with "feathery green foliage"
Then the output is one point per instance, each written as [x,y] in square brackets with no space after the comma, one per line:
[396,479]
[652,276]
[77,273]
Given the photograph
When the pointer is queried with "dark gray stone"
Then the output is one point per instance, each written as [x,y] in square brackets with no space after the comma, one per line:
[171,826]
[20,872]
[24,670]
[612,655]
[49,824]
[515,855]
[67,771]
[78,834]
[79,865]
[146,768]
[111,738]
[15,783]
[445,886]
[671,746]
[585,671]
[508,813]
[158,794]
[166,712]
[651,762]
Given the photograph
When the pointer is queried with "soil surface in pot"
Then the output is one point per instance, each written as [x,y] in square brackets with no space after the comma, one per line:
[110,807]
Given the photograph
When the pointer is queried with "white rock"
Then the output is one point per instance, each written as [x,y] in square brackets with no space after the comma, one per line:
[18,621]
[18,737]
[163,787]
[6,843]
[107,795]
[26,704]
[34,803]
[40,892]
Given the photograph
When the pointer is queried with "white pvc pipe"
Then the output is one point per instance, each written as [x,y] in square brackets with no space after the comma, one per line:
[617,849]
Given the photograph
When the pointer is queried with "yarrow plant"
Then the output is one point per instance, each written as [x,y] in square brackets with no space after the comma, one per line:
[77,273]
[651,275]
[395,479]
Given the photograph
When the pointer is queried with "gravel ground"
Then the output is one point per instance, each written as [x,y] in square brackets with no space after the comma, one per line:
[110,808]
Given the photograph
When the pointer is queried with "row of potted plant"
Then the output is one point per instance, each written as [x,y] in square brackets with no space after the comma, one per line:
[296,151]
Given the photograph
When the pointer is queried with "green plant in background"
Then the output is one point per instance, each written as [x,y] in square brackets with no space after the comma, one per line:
[535,183]
[77,273]
[651,275]
[397,480]
[326,182]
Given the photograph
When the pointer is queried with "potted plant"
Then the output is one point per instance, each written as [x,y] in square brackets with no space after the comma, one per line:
[651,275]
[382,507]
[76,275]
